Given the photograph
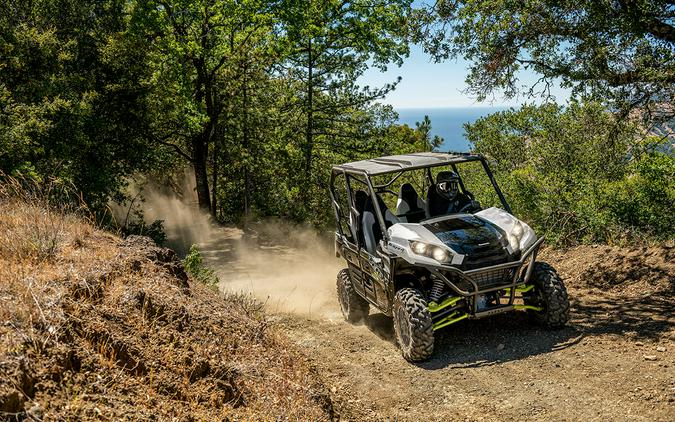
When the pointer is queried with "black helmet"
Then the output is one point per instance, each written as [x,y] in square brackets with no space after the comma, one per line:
[447,184]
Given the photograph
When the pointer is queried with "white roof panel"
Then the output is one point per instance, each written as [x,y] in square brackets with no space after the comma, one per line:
[393,163]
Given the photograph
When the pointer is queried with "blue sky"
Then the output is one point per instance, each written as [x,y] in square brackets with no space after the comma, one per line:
[438,85]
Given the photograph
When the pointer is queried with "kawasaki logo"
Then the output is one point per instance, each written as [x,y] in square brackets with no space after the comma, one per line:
[396,247]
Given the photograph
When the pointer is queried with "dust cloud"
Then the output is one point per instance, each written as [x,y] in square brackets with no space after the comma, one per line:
[288,267]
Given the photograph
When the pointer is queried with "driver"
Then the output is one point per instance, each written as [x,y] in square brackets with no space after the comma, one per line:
[447,187]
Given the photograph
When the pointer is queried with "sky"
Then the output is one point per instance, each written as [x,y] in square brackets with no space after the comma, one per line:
[426,84]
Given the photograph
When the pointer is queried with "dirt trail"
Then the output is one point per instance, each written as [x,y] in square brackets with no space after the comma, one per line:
[615,360]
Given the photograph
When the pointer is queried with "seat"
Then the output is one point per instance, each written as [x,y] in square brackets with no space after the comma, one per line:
[371,229]
[410,208]
[436,204]
[360,198]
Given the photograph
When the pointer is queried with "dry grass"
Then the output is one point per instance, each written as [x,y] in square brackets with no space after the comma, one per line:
[95,327]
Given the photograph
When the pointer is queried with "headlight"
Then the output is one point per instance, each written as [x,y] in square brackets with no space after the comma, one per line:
[514,242]
[419,248]
[439,254]
[517,230]
[430,251]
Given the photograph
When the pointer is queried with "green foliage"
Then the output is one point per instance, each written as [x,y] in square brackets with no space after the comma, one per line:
[69,96]
[260,99]
[577,174]
[618,51]
[194,265]
[138,226]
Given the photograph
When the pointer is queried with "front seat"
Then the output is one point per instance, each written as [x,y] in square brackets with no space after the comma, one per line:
[436,203]
[360,198]
[410,207]
[371,228]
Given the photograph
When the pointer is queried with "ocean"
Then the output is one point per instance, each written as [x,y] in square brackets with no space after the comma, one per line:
[447,122]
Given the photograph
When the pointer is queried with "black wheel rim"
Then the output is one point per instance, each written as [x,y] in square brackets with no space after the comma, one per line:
[537,299]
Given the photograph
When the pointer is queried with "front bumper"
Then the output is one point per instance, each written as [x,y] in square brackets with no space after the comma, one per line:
[489,279]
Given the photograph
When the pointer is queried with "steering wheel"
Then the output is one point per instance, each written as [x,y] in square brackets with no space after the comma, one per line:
[472,206]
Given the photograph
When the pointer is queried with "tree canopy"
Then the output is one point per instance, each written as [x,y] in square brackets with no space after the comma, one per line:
[259,98]
[622,51]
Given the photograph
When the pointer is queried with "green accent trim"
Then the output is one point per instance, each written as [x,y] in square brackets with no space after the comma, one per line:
[450,319]
[451,301]
[531,307]
[523,288]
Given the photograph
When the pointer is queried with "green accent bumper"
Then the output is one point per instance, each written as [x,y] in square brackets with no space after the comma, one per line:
[456,316]
[521,289]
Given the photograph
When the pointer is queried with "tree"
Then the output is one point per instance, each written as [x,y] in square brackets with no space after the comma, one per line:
[330,44]
[192,43]
[622,51]
[424,128]
[576,173]
[70,105]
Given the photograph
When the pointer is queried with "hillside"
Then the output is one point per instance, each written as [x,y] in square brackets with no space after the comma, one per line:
[97,327]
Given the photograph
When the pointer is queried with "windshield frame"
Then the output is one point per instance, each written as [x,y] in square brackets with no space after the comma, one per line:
[364,177]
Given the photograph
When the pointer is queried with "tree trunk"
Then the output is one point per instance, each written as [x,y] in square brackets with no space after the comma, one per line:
[309,135]
[246,141]
[214,178]
[199,157]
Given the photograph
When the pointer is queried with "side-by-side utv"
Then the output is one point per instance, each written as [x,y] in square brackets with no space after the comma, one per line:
[428,254]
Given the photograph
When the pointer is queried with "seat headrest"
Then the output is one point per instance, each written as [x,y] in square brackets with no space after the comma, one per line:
[408,193]
[360,198]
[370,206]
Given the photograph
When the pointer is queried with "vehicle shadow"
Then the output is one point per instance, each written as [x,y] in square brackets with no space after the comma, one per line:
[515,336]
[495,340]
[646,317]
[381,325]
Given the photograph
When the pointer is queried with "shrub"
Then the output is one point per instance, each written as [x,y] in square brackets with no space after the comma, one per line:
[194,264]
[579,175]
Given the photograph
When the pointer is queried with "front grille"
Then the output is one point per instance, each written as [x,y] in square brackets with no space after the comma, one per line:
[483,279]
[492,278]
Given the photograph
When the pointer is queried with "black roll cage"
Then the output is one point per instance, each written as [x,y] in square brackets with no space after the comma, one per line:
[364,177]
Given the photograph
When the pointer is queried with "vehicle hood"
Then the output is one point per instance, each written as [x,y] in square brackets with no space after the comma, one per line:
[476,240]
[482,242]
[467,233]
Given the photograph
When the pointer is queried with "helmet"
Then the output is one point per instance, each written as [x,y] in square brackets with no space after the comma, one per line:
[447,184]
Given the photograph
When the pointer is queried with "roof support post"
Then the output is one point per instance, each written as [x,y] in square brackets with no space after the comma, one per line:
[378,211]
[494,184]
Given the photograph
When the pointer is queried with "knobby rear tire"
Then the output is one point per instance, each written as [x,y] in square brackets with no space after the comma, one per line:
[354,308]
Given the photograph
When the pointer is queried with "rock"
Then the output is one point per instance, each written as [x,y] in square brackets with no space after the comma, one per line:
[35,412]
[660,349]
[649,357]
